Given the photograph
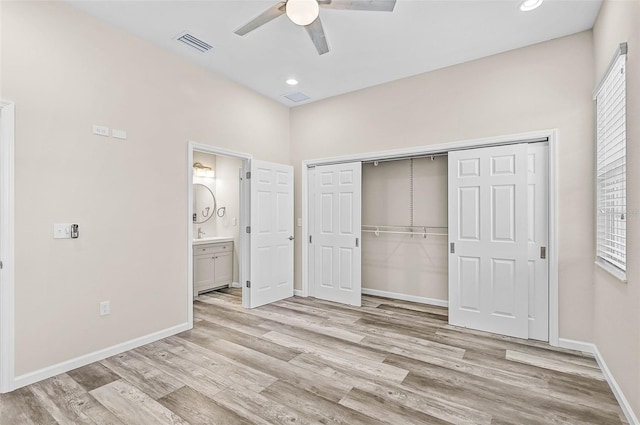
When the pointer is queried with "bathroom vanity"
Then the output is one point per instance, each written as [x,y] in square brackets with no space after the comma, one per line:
[212,264]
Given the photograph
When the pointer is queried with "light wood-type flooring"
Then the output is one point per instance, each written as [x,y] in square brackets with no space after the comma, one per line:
[307,361]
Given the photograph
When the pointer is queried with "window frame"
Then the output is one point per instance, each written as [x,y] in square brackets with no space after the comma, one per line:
[614,269]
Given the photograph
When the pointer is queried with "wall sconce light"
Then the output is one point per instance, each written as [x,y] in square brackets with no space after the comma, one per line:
[200,170]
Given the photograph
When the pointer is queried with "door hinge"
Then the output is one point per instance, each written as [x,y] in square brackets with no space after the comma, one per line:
[310,238]
[248,175]
[248,229]
[357,242]
[543,252]
[248,284]
[452,247]
[1,265]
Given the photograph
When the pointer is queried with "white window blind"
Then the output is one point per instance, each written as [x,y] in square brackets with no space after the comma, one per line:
[611,175]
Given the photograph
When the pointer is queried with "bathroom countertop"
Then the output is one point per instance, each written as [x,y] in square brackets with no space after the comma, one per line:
[212,239]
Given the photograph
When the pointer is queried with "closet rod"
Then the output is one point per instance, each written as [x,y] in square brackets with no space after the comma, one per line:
[433,156]
[394,232]
[405,227]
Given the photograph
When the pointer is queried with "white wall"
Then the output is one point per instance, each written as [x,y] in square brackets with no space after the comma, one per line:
[208,160]
[547,85]
[228,195]
[401,263]
[616,308]
[66,71]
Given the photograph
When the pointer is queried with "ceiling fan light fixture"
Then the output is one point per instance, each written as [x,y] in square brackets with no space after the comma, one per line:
[302,12]
[528,5]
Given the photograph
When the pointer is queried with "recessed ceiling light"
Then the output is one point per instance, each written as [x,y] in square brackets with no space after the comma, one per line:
[292,81]
[528,5]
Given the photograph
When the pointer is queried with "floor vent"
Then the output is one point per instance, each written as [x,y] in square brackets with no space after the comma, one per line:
[297,97]
[194,42]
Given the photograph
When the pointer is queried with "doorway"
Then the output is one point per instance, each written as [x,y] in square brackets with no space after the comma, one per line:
[213,239]
[216,224]
[240,226]
[311,261]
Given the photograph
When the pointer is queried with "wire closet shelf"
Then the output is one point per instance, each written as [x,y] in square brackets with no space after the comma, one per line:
[423,231]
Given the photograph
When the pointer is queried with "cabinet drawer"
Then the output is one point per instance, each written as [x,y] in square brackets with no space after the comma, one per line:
[212,249]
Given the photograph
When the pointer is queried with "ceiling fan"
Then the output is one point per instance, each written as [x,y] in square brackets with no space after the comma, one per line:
[306,13]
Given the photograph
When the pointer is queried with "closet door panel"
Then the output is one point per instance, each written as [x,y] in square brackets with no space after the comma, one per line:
[538,235]
[337,232]
[488,269]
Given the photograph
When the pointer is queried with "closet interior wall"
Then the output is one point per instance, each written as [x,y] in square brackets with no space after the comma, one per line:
[397,263]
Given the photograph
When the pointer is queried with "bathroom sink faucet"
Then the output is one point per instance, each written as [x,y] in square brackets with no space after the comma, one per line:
[200,233]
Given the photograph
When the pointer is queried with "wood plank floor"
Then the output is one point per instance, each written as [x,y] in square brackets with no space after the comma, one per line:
[307,361]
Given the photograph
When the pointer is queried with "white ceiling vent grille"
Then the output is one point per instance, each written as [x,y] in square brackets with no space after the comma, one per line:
[297,97]
[194,42]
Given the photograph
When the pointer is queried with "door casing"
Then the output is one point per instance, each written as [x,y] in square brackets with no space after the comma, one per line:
[7,247]
[551,135]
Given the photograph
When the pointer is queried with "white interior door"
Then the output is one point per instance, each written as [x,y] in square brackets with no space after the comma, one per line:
[488,269]
[271,233]
[337,231]
[538,236]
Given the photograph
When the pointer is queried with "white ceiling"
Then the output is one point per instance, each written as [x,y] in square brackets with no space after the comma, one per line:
[367,48]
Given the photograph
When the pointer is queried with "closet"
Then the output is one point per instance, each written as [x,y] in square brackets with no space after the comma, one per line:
[404,216]
[467,229]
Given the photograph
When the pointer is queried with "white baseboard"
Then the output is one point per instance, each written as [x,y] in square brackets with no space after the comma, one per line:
[405,297]
[587,347]
[48,372]
[617,391]
[236,285]
[297,292]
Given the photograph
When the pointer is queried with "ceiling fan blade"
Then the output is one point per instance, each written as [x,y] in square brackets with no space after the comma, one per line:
[372,5]
[266,16]
[316,32]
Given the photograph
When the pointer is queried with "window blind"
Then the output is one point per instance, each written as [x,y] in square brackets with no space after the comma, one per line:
[611,175]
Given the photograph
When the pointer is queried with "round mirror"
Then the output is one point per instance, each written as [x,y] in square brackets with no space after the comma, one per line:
[204,203]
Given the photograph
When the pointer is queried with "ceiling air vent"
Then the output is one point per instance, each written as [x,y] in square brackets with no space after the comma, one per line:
[194,42]
[297,97]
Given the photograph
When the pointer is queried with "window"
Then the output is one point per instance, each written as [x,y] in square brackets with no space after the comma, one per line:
[611,163]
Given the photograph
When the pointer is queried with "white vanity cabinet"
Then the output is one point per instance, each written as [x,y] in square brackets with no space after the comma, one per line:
[212,266]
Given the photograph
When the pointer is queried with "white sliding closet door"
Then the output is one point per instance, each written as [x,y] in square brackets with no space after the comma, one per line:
[271,236]
[488,268]
[336,233]
[538,236]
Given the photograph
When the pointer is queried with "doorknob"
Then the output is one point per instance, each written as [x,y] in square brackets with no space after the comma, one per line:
[290,238]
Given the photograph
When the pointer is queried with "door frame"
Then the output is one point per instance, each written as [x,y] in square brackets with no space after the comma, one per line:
[7,246]
[550,134]
[244,213]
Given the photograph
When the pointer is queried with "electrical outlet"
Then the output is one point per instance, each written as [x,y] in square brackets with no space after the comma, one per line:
[105,308]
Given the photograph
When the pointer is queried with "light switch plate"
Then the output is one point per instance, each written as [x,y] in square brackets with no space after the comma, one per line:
[101,130]
[61,231]
[299,222]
